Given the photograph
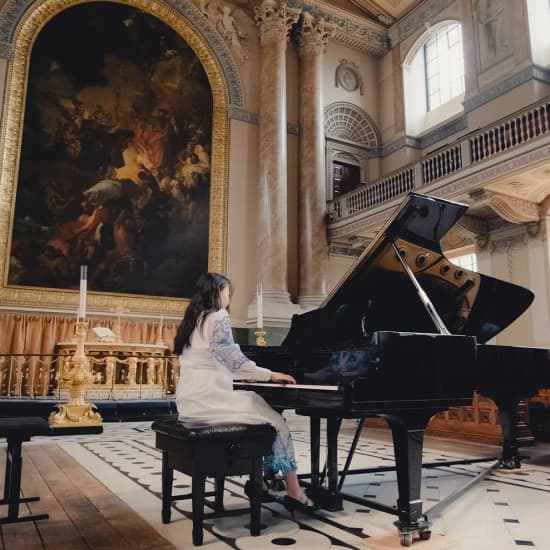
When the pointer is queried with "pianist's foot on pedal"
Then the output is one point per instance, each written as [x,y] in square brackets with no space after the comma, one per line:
[303,504]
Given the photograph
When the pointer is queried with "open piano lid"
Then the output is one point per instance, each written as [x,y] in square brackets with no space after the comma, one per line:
[377,293]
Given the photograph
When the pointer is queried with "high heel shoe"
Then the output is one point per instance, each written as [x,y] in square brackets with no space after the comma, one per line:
[304,504]
[262,493]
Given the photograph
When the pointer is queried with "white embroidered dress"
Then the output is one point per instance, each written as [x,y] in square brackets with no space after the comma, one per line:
[205,389]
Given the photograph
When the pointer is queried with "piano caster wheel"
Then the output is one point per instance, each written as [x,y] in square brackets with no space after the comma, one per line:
[425,534]
[406,539]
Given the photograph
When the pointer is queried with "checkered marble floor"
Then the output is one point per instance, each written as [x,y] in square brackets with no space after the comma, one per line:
[503,511]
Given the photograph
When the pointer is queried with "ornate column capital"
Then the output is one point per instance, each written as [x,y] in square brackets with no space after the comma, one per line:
[313,35]
[274,20]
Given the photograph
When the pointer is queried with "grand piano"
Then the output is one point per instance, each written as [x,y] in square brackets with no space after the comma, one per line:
[403,336]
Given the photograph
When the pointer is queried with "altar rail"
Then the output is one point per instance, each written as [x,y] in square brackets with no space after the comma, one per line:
[36,375]
[477,147]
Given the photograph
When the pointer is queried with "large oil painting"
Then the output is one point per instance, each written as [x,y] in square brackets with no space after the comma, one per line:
[114,168]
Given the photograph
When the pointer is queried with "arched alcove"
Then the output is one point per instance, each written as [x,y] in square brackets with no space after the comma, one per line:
[350,134]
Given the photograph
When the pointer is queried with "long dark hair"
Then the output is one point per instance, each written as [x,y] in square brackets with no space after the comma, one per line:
[205,300]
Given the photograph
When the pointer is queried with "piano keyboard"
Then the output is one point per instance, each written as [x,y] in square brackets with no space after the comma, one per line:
[273,385]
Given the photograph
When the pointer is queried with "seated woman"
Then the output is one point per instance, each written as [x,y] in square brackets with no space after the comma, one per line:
[210,361]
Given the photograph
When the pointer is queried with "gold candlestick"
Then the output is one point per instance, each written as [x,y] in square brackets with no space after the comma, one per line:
[260,338]
[78,373]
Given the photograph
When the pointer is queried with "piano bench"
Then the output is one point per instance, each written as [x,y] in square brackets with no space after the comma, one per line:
[16,431]
[217,451]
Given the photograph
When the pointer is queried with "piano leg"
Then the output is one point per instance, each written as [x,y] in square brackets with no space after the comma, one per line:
[329,498]
[408,437]
[315,442]
[507,408]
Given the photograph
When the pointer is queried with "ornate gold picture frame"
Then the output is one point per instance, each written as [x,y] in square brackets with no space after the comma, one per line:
[25,36]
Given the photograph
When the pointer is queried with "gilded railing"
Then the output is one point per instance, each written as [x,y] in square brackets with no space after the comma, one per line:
[123,375]
[495,139]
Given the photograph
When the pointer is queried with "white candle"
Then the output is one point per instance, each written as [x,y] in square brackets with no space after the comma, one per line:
[259,305]
[82,301]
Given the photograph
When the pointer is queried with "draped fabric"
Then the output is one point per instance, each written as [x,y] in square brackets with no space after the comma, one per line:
[35,336]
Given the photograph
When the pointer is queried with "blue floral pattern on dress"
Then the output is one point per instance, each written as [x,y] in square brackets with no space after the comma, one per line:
[281,458]
[223,347]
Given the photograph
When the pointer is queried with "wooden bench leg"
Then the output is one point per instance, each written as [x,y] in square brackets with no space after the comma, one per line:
[12,485]
[254,496]
[167,482]
[197,485]
[218,498]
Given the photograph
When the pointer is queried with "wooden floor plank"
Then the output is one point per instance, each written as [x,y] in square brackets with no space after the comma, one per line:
[84,513]
[58,531]
[96,531]
[134,529]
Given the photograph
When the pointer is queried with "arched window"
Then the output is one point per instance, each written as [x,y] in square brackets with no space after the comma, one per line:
[433,76]
[444,66]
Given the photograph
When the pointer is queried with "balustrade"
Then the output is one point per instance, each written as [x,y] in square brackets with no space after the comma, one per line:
[482,145]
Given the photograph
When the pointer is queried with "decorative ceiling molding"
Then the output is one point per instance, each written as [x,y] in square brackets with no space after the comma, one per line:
[513,209]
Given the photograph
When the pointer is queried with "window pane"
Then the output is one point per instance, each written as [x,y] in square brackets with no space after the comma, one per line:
[444,64]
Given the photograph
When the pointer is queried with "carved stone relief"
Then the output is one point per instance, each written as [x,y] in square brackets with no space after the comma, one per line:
[493,19]
[348,77]
[223,19]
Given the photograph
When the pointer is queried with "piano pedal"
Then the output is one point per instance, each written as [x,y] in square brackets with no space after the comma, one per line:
[275,484]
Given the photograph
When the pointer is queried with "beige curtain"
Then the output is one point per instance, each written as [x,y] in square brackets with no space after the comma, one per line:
[37,335]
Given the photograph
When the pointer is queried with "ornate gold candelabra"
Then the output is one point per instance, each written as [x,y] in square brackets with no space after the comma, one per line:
[78,373]
[260,338]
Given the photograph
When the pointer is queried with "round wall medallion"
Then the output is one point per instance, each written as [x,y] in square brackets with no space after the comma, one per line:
[348,78]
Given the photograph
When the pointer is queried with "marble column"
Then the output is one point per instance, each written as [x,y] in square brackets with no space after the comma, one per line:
[312,37]
[274,21]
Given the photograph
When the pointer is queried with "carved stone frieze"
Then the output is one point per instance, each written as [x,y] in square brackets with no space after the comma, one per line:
[313,35]
[274,20]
